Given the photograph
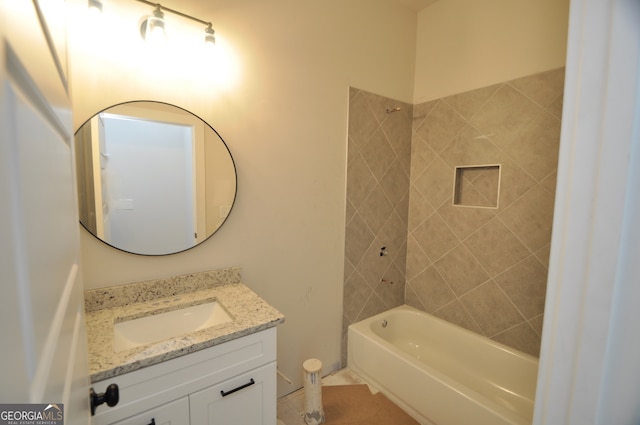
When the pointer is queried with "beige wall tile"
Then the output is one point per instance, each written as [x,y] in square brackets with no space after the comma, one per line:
[390,288]
[488,183]
[543,88]
[397,127]
[461,270]
[491,309]
[440,126]
[496,247]
[464,221]
[550,181]
[421,156]
[400,260]
[411,298]
[469,103]
[377,105]
[436,182]
[471,147]
[555,108]
[376,208]
[378,154]
[417,259]
[455,313]
[402,208]
[536,323]
[348,269]
[531,217]
[543,255]
[362,123]
[504,115]
[352,150]
[419,209]
[373,306]
[360,181]
[372,266]
[466,195]
[352,93]
[349,211]
[515,182]
[434,237]
[521,337]
[421,111]
[393,234]
[431,289]
[356,293]
[525,284]
[358,238]
[395,183]
[535,148]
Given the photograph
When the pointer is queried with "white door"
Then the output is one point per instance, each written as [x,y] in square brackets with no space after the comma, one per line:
[170,134]
[44,355]
[150,179]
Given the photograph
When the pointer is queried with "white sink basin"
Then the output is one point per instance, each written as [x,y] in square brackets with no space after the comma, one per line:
[158,327]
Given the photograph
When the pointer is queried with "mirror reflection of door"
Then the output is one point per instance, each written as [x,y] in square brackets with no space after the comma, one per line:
[153,179]
[143,154]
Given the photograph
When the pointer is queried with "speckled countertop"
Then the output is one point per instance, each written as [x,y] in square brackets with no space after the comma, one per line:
[105,307]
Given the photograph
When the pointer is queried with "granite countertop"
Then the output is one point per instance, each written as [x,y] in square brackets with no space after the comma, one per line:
[249,312]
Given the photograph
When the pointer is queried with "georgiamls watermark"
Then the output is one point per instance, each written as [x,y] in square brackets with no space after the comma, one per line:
[31,414]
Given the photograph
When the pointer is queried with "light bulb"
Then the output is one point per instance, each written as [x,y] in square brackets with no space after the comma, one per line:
[152,28]
[95,7]
[209,36]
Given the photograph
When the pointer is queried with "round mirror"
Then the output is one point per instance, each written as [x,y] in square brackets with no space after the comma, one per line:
[153,179]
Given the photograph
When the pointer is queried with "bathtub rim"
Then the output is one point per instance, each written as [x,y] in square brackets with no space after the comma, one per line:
[407,308]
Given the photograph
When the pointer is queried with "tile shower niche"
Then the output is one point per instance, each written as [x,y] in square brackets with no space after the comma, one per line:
[477,186]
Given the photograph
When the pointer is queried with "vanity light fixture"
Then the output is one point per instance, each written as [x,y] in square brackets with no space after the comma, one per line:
[156,23]
[95,6]
[209,36]
[152,28]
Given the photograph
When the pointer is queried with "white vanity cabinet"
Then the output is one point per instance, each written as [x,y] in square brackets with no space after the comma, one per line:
[174,413]
[216,405]
[233,383]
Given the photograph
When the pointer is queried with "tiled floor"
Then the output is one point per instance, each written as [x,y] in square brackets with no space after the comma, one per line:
[291,406]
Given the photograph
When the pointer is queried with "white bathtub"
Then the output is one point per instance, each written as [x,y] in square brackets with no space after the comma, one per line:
[440,373]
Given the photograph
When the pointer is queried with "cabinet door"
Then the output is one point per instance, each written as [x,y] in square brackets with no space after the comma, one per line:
[174,413]
[247,399]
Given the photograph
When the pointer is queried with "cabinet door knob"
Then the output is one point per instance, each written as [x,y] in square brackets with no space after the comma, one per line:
[153,421]
[224,394]
[111,396]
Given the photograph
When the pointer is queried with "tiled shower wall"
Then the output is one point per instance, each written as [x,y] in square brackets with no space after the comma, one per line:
[378,168]
[482,268]
[486,268]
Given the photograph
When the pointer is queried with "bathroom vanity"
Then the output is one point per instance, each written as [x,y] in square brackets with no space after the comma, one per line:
[222,371]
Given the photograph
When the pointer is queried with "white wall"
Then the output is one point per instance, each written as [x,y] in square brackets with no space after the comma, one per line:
[284,118]
[467,44]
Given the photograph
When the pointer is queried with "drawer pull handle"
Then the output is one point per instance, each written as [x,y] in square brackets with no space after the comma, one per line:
[241,387]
